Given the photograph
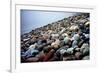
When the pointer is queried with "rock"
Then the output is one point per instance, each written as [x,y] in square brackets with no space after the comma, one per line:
[67,40]
[70,50]
[55,35]
[87,24]
[33,46]
[80,43]
[85,49]
[26,39]
[64,35]
[76,37]
[78,55]
[62,31]
[74,28]
[56,44]
[30,53]
[86,58]
[32,59]
[49,55]
[74,43]
[62,51]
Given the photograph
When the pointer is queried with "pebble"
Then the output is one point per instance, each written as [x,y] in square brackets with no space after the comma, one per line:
[78,55]
[64,40]
[86,58]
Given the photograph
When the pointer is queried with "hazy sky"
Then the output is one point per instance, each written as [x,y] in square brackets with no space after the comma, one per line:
[31,19]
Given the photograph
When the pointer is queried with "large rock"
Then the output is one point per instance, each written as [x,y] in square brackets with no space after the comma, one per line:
[67,40]
[56,44]
[70,50]
[76,37]
[85,49]
[78,55]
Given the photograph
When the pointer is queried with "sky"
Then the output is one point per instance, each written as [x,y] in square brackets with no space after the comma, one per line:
[31,19]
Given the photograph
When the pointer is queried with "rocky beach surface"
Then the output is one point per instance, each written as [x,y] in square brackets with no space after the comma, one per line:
[67,39]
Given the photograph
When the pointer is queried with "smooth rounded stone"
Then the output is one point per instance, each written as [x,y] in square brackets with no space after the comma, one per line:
[65,35]
[86,58]
[26,39]
[85,49]
[63,47]
[49,55]
[73,28]
[66,40]
[56,44]
[70,50]
[55,35]
[62,31]
[87,24]
[76,37]
[33,46]
[78,55]
[62,51]
[74,43]
[32,59]
[56,47]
